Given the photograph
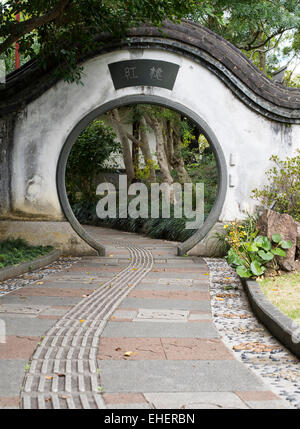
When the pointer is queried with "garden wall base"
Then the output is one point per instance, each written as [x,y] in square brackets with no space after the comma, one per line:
[60,235]
[210,245]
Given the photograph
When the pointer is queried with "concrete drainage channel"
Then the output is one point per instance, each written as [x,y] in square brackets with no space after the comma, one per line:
[63,371]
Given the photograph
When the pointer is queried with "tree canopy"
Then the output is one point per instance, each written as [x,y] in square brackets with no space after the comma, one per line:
[64,30]
[267,31]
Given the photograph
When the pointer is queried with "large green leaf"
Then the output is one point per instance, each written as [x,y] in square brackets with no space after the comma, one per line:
[266,256]
[276,238]
[233,258]
[263,242]
[278,252]
[243,272]
[285,244]
[256,268]
[251,247]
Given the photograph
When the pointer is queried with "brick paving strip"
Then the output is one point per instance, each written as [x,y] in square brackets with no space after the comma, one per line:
[142,339]
[63,371]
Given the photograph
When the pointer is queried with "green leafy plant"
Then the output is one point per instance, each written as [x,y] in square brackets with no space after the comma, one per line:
[92,149]
[16,251]
[250,254]
[282,193]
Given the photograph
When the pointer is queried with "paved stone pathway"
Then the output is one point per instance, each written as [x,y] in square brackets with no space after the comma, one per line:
[133,329]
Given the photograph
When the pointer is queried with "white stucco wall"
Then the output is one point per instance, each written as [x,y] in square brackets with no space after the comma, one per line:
[43,128]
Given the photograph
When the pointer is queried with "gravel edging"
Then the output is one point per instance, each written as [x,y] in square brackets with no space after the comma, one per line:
[249,340]
[280,325]
[17,270]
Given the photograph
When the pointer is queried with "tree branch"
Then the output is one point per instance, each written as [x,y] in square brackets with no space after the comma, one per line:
[264,42]
[20,29]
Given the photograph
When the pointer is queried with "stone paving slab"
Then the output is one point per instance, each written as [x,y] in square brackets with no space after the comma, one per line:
[273,405]
[40,300]
[162,349]
[131,406]
[146,314]
[155,329]
[21,309]
[26,326]
[176,376]
[9,403]
[180,295]
[172,287]
[11,373]
[74,285]
[195,400]
[52,292]
[176,275]
[77,277]
[165,303]
[17,347]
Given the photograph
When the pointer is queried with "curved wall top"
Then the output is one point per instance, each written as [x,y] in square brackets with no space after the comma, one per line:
[270,99]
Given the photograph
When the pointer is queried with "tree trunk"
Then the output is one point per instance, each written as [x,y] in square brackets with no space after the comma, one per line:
[157,127]
[115,118]
[145,148]
[135,148]
[177,160]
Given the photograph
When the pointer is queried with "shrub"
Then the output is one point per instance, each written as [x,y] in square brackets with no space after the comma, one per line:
[92,149]
[166,228]
[282,193]
[16,251]
[249,253]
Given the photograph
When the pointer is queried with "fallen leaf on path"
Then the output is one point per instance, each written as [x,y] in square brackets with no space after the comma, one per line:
[128,354]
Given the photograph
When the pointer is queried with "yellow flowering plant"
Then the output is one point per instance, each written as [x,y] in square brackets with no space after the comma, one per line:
[250,253]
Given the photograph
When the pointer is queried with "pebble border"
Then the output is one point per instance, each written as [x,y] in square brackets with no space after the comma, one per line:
[234,319]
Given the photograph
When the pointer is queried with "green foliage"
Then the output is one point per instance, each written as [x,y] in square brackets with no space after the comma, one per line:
[282,193]
[16,251]
[256,27]
[64,30]
[202,168]
[250,253]
[166,228]
[93,147]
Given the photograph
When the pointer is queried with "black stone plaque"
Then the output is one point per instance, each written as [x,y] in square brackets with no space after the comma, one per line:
[143,73]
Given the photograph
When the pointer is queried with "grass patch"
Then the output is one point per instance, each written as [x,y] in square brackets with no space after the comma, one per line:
[284,292]
[16,251]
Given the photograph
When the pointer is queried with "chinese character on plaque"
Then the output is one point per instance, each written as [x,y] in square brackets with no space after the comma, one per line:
[130,73]
[156,73]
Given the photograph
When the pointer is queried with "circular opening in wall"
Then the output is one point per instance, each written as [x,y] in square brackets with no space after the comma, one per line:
[142,165]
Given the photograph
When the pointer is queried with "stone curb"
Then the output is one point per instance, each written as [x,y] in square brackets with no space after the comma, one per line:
[17,270]
[281,326]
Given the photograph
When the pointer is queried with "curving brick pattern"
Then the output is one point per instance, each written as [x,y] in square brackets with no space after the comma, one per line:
[63,371]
